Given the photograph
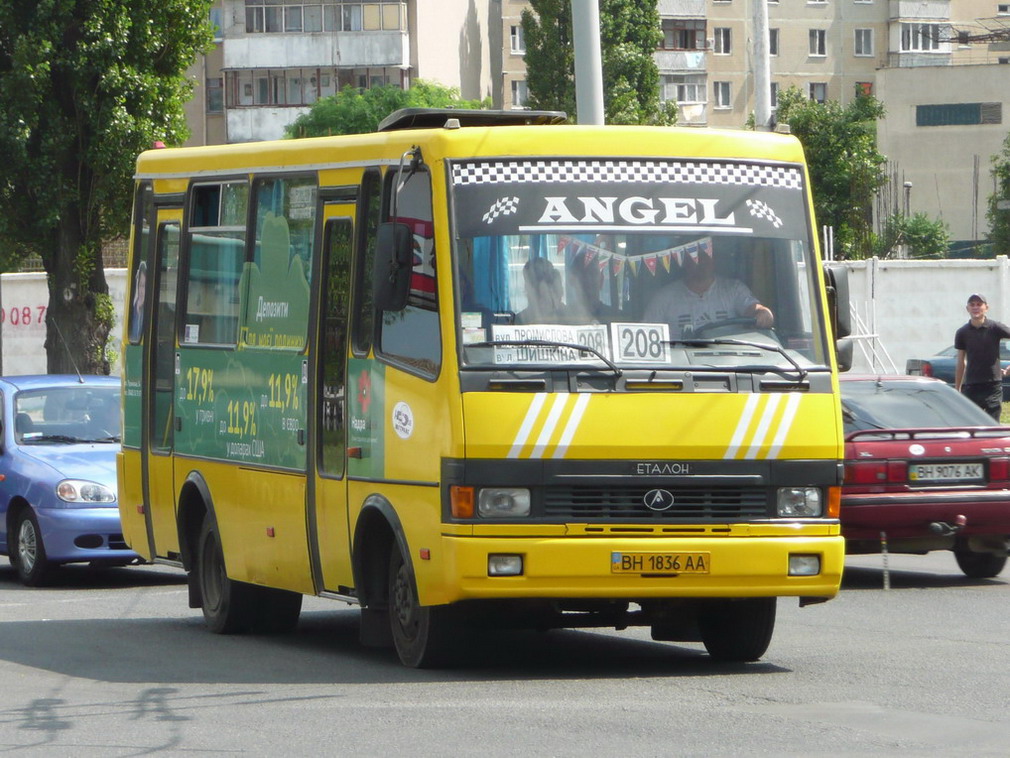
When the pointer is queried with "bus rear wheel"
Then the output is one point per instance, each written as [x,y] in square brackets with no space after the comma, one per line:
[230,607]
[737,630]
[422,635]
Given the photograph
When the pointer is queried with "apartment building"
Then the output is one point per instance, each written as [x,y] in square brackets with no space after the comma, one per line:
[274,58]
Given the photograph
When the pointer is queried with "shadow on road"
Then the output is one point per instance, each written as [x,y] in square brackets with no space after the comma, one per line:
[872,578]
[85,576]
[325,649]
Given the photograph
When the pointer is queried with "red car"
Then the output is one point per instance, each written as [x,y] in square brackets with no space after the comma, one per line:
[925,469]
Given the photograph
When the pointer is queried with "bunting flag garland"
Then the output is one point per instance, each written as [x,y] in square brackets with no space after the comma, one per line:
[616,262]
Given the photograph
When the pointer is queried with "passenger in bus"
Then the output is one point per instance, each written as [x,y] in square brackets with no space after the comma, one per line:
[586,307]
[701,297]
[544,294]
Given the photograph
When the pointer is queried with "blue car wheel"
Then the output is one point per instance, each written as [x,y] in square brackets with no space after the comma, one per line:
[29,552]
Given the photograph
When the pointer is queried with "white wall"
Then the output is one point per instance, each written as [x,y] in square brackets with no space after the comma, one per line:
[24,299]
[914,307]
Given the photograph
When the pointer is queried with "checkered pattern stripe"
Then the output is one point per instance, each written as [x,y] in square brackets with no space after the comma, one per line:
[630,171]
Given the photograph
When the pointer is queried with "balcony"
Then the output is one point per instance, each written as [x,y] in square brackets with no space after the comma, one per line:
[327,49]
[678,61]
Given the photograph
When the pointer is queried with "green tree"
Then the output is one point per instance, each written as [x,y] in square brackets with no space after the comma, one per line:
[845,167]
[999,219]
[354,111]
[922,236]
[85,85]
[629,35]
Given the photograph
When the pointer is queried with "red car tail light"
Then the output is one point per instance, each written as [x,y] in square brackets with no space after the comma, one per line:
[999,469]
[877,472]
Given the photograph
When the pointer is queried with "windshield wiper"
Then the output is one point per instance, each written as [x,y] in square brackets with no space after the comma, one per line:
[748,343]
[65,438]
[551,343]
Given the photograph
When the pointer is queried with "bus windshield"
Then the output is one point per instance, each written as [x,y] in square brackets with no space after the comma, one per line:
[637,263]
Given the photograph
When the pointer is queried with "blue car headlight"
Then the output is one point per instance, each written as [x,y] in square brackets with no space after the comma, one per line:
[82,491]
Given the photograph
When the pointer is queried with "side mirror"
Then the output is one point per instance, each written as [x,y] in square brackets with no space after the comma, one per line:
[394,264]
[843,353]
[837,280]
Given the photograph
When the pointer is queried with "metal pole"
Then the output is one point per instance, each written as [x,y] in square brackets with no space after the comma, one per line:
[762,68]
[588,61]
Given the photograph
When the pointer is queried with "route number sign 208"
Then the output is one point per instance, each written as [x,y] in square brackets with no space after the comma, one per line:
[640,343]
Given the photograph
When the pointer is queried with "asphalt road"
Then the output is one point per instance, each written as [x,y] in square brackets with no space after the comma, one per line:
[113,663]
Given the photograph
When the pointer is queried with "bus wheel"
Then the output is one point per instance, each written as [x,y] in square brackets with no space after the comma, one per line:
[29,553]
[422,635]
[227,605]
[737,630]
[979,565]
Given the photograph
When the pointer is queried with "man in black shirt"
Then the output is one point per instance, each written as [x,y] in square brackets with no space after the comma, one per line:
[981,380]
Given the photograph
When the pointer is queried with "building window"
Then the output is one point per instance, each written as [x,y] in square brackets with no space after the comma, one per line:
[775,95]
[683,34]
[684,89]
[818,91]
[723,95]
[918,38]
[773,42]
[864,88]
[518,40]
[818,42]
[299,86]
[723,40]
[959,114]
[520,93]
[279,17]
[864,42]
[215,95]
[1003,9]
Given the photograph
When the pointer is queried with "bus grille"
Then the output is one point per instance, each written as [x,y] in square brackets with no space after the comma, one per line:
[581,503]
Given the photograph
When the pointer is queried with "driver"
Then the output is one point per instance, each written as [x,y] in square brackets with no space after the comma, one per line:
[700,297]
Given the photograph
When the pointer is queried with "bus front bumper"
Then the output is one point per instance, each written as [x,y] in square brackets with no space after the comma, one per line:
[633,568]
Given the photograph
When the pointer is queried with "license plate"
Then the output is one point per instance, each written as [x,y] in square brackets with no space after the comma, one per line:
[945,472]
[660,563]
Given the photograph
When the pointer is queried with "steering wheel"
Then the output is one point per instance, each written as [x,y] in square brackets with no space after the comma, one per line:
[731,325]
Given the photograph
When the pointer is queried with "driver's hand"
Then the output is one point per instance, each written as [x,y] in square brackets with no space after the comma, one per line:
[763,317]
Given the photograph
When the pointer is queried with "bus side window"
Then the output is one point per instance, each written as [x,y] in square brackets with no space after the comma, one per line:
[363,325]
[411,337]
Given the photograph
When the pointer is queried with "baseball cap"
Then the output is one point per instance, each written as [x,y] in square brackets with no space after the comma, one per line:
[976,296]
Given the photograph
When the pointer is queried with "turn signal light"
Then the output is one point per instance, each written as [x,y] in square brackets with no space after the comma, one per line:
[999,469]
[876,472]
[461,501]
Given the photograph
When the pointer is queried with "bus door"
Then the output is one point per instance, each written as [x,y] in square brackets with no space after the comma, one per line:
[159,383]
[328,518]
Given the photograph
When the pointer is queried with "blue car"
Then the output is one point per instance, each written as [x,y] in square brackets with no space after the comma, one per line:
[60,437]
[941,366]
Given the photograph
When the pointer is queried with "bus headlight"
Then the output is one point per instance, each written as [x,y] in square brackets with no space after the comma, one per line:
[503,502]
[799,502]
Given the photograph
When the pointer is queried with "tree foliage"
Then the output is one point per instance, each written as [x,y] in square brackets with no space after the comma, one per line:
[354,111]
[921,236]
[999,219]
[85,85]
[845,167]
[630,32]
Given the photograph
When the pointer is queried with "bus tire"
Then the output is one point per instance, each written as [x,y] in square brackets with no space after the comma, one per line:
[979,565]
[228,606]
[737,630]
[422,635]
